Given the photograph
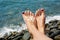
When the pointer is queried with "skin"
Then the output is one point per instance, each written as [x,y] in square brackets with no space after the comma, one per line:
[35,24]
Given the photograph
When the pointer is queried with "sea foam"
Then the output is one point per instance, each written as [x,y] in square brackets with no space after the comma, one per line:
[11,28]
[49,18]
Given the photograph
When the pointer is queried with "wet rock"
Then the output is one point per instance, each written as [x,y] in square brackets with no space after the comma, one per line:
[2,39]
[57,37]
[52,29]
[26,36]
[23,35]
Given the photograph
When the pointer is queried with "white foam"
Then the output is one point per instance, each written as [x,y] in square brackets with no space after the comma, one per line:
[7,29]
[49,18]
[11,28]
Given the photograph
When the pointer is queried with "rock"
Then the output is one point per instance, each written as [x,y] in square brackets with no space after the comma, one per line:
[52,29]
[2,39]
[57,37]
[26,36]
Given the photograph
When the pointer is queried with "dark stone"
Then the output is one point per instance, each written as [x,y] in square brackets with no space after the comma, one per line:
[2,39]
[52,29]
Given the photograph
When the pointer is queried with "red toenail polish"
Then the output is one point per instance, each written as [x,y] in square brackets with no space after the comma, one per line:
[42,10]
[23,13]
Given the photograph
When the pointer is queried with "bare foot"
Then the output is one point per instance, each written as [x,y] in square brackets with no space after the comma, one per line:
[30,21]
[40,17]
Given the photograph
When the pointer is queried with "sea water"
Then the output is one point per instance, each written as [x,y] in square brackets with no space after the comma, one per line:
[11,13]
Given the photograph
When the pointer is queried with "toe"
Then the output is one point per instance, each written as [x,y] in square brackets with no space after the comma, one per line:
[31,14]
[42,11]
[43,14]
[38,12]
[27,12]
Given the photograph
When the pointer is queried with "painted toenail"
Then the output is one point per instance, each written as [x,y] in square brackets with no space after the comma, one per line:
[42,10]
[23,13]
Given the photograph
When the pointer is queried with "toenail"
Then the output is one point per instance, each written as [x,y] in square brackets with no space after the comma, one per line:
[23,13]
[42,10]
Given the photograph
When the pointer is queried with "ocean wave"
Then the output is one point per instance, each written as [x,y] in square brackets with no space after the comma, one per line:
[11,28]
[49,18]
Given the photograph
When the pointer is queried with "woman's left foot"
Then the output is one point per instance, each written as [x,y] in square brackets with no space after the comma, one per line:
[30,21]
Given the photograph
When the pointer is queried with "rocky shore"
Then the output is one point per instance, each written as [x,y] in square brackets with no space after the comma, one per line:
[23,35]
[52,30]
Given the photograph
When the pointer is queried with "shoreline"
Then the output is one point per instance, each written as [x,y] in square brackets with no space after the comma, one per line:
[52,30]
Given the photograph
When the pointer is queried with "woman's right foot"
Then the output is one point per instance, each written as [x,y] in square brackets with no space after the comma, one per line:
[40,17]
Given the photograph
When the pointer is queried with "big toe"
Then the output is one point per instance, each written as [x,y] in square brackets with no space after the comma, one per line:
[39,12]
